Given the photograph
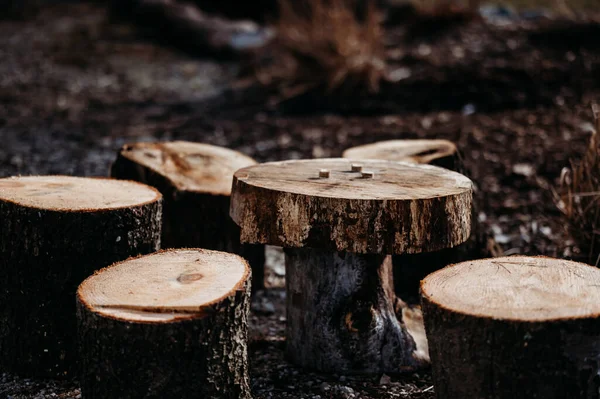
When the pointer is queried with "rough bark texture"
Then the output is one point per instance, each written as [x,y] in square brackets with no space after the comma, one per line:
[44,256]
[482,358]
[402,209]
[409,269]
[203,357]
[340,317]
[194,219]
[514,327]
[338,224]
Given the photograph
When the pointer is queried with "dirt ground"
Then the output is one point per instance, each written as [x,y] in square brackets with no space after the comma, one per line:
[514,95]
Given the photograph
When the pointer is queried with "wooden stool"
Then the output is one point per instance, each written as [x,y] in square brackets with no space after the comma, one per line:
[337,221]
[54,232]
[434,152]
[195,180]
[410,269]
[168,325]
[514,327]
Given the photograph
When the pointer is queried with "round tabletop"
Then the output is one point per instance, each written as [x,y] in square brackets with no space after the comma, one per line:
[366,206]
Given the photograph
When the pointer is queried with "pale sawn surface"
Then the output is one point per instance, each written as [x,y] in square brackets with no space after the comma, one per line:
[414,151]
[164,286]
[190,166]
[391,181]
[517,288]
[68,193]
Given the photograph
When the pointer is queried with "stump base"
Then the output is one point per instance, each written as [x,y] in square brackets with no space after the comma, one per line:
[341,315]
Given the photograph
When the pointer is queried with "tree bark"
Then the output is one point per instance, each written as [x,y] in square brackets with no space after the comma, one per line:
[495,352]
[191,218]
[341,317]
[338,222]
[146,352]
[402,208]
[410,269]
[44,255]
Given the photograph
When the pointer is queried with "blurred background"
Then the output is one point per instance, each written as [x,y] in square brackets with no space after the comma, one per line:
[512,84]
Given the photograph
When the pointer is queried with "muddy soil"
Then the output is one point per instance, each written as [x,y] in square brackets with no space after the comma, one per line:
[75,86]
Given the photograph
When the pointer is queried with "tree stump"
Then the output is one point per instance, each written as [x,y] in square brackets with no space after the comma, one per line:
[410,269]
[514,327]
[168,325]
[56,231]
[337,224]
[433,152]
[195,180]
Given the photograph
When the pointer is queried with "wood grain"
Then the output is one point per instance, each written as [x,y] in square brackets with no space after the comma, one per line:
[168,325]
[414,151]
[404,208]
[190,166]
[517,288]
[68,193]
[164,286]
[514,327]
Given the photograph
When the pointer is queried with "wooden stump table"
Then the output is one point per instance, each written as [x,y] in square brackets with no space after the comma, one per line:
[336,226]
[514,327]
[432,152]
[168,325]
[54,232]
[195,180]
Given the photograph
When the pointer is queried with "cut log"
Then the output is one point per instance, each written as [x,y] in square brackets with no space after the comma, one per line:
[514,327]
[56,231]
[168,325]
[403,208]
[195,180]
[410,269]
[337,224]
[433,152]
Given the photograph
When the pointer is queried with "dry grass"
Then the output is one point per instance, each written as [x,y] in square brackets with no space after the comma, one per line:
[579,197]
[325,45]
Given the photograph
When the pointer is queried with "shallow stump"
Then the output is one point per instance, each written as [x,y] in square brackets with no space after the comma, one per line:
[54,232]
[195,180]
[433,152]
[168,325]
[514,327]
[337,223]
